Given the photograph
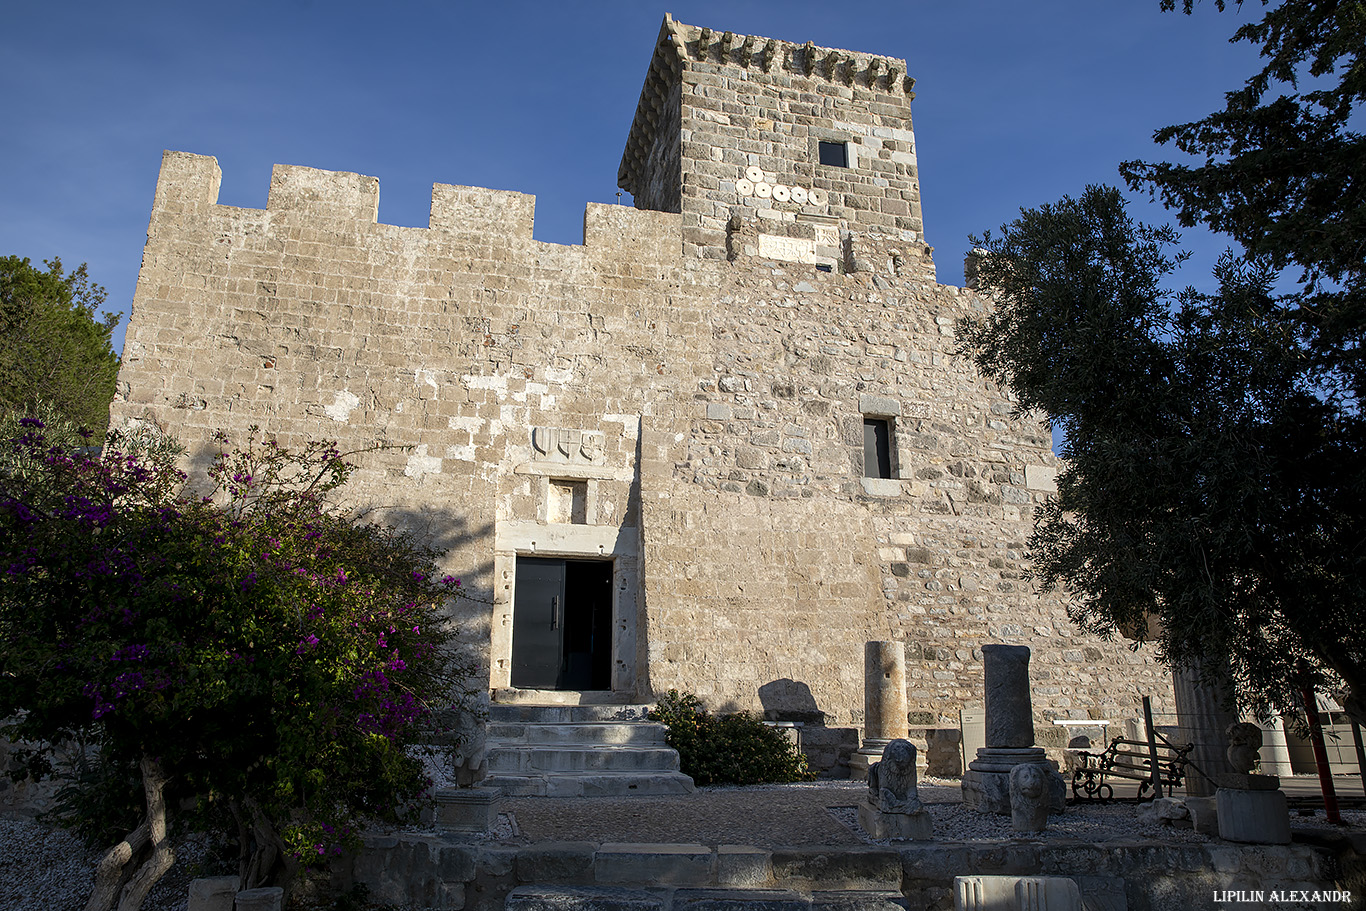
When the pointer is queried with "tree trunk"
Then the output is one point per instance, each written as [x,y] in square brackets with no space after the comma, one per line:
[109,871]
[269,852]
[154,786]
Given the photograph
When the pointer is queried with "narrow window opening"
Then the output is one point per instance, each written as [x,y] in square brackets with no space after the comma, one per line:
[824,267]
[877,448]
[835,154]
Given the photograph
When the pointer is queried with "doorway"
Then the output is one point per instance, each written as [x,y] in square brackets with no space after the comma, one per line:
[562,624]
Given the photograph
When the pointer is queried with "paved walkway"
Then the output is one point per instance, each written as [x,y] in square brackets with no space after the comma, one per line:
[763,817]
[767,816]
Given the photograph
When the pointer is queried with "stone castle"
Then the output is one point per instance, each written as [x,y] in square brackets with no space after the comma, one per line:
[717,447]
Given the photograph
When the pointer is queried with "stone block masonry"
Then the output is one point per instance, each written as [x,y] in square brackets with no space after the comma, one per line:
[673,397]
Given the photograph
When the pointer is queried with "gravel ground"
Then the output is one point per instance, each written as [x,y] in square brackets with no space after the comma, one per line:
[43,868]
[46,869]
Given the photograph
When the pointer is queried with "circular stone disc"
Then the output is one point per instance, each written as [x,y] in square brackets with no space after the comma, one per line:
[781,193]
[743,187]
[754,175]
[763,190]
[799,194]
[817,197]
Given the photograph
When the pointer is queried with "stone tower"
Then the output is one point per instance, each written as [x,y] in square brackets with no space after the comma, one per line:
[776,145]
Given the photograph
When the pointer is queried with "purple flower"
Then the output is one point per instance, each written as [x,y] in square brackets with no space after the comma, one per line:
[132,653]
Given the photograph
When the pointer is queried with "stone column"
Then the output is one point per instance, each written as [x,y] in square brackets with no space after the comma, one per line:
[884,703]
[1203,719]
[1009,735]
[1010,710]
[1275,751]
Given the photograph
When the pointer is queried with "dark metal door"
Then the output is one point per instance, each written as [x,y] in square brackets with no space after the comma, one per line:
[538,624]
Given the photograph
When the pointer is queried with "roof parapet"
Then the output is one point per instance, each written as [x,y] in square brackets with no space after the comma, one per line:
[679,44]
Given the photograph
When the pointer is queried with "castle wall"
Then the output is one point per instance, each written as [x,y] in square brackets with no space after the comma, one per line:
[773,559]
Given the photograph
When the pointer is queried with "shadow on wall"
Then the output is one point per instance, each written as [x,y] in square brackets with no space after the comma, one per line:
[443,529]
[827,749]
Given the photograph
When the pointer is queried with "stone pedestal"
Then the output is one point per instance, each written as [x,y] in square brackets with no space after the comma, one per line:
[944,756]
[1009,735]
[1252,809]
[271,898]
[884,703]
[917,826]
[466,809]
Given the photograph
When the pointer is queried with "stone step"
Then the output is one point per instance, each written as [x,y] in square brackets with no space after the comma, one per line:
[566,714]
[599,898]
[591,784]
[586,758]
[505,733]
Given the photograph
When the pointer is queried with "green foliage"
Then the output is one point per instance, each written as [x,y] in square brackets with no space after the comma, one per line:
[1280,172]
[727,749]
[277,658]
[1208,480]
[52,345]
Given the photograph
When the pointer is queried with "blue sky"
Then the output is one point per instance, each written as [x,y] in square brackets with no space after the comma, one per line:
[1017,103]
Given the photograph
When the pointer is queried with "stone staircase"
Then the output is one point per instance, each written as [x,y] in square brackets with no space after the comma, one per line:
[580,751]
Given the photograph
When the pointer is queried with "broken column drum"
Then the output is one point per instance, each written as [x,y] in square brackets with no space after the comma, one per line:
[884,703]
[1009,735]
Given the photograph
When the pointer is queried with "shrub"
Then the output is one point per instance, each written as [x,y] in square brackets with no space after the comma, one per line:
[727,749]
[255,660]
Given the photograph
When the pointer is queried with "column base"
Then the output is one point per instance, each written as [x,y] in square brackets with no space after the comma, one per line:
[1253,817]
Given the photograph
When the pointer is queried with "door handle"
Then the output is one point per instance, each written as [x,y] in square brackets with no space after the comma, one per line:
[554,612]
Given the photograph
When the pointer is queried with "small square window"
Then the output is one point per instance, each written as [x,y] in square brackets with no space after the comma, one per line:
[835,154]
[877,448]
[568,502]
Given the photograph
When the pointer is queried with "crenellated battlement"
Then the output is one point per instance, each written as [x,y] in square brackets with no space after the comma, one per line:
[188,188]
[680,44]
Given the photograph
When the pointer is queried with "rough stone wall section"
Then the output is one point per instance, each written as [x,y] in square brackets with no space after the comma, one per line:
[754,105]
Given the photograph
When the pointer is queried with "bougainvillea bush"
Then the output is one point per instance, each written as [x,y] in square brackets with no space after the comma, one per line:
[251,653]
